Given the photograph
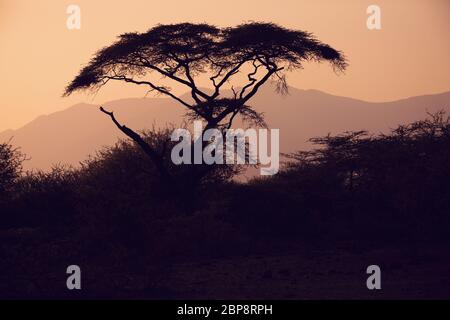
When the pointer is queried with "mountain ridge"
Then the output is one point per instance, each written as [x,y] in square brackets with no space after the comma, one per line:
[69,136]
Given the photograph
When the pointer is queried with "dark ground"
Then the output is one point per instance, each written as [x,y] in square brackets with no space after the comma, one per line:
[288,272]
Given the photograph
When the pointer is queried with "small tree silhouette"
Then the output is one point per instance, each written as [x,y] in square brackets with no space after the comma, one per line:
[11,160]
[183,52]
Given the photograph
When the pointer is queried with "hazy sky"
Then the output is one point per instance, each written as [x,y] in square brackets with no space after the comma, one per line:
[39,55]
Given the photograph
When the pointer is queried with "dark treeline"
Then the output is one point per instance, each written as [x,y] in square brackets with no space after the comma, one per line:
[112,214]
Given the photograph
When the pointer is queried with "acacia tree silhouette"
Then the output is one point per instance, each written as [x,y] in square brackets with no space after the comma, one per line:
[183,52]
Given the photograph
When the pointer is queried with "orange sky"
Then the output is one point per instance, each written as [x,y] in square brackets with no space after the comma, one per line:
[39,55]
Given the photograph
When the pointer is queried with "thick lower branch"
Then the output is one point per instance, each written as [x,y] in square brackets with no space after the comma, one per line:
[153,155]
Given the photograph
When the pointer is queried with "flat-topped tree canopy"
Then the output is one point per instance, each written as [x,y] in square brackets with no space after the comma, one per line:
[181,52]
[280,45]
[166,49]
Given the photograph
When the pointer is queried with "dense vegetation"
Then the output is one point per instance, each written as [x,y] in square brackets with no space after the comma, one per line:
[111,213]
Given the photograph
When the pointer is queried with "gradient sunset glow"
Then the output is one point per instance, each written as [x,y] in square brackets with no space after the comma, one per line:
[39,55]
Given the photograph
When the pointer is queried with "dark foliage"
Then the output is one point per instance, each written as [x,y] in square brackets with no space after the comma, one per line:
[10,167]
[111,216]
[377,188]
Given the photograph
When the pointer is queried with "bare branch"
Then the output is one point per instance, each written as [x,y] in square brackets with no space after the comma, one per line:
[154,156]
[160,89]
[227,76]
[251,79]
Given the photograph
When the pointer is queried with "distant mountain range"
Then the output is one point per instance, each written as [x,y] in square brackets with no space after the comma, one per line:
[71,135]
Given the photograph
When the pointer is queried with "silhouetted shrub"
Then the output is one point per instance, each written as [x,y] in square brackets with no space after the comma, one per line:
[387,186]
[115,215]
[42,199]
[11,160]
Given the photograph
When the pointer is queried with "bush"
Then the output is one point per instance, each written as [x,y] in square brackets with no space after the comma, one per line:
[42,199]
[11,160]
[391,185]
[354,186]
